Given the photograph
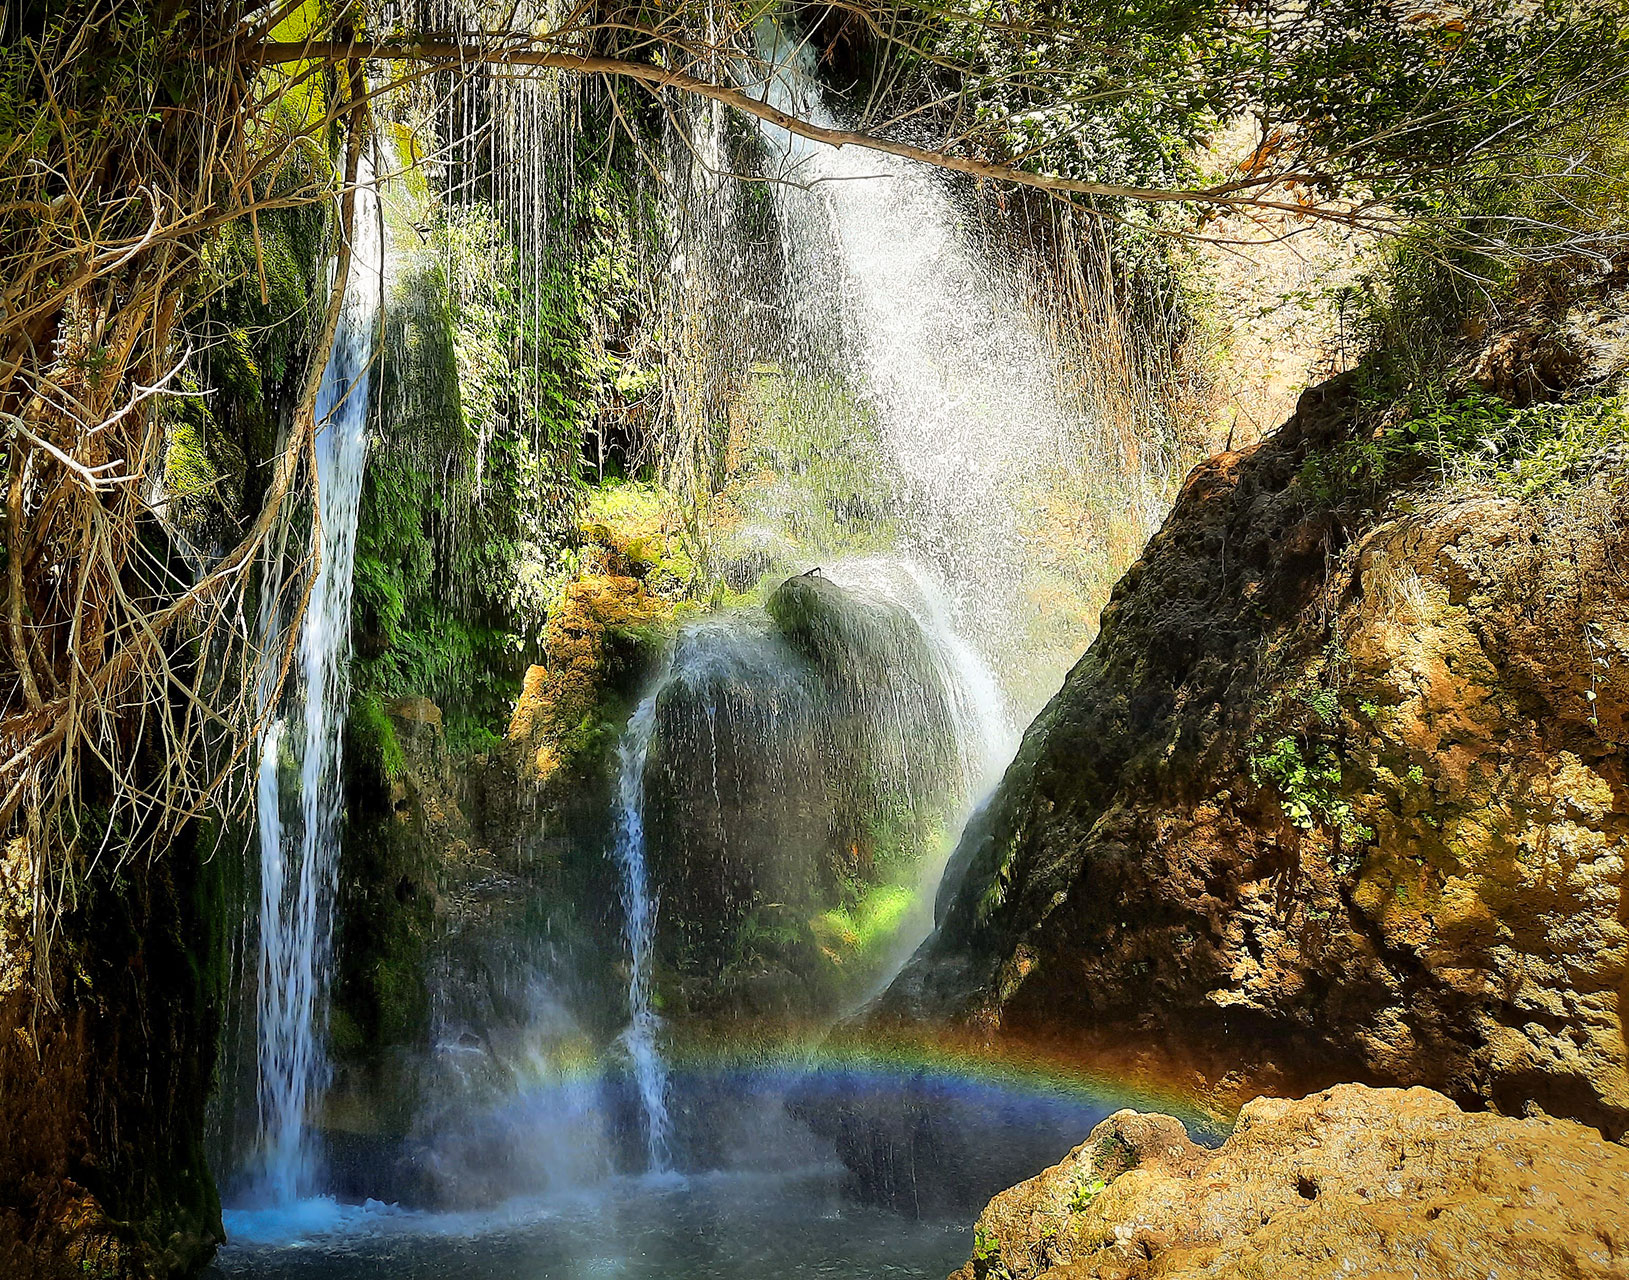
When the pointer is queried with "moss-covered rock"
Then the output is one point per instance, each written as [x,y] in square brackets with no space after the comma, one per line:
[804,762]
[1332,796]
[600,642]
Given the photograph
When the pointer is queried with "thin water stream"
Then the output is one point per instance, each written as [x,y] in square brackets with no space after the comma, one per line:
[640,1039]
[298,786]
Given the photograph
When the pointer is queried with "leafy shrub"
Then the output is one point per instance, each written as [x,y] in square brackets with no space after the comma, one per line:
[1306,775]
[1477,440]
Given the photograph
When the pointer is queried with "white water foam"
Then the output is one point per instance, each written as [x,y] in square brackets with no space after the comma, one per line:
[957,373]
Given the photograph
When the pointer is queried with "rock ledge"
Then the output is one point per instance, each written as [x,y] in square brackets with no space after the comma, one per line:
[1351,1182]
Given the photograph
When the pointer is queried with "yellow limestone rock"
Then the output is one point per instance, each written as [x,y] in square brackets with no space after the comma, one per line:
[1353,1182]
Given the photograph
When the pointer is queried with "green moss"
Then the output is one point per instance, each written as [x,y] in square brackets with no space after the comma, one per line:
[642,521]
[1477,439]
[373,733]
[855,935]
[807,453]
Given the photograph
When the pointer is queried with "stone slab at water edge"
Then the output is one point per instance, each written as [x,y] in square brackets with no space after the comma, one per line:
[1352,1182]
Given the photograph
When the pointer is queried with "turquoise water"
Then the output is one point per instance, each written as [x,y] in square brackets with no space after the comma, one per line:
[718,1226]
[761,1192]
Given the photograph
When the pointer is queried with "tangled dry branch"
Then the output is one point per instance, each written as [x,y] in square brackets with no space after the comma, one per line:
[125,710]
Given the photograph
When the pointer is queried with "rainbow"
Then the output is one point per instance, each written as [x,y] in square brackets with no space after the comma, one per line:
[954,1061]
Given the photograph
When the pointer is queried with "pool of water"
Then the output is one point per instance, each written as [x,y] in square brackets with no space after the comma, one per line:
[717,1226]
[836,1173]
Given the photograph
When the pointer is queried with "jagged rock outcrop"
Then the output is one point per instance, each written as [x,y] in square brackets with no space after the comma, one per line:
[1329,798]
[1351,1182]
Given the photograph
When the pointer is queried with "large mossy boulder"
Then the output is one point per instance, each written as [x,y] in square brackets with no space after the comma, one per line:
[1336,794]
[804,761]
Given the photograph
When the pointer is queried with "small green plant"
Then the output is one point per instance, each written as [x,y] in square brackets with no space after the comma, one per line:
[994,896]
[1307,779]
[1600,663]
[1085,1193]
[1322,701]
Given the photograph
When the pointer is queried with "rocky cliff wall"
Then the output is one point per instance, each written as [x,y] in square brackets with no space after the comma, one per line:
[1335,795]
[103,1076]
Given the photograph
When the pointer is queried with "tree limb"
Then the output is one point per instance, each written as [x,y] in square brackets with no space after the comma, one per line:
[453,54]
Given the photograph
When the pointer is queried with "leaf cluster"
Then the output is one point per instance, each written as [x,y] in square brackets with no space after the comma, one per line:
[1477,439]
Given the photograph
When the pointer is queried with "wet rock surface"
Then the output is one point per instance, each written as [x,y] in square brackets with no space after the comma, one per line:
[1350,1182]
[803,762]
[103,1074]
[1349,792]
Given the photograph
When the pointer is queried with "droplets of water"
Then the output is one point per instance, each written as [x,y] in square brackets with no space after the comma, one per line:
[299,861]
[955,372]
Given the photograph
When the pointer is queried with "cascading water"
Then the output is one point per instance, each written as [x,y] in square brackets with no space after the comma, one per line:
[299,858]
[807,763]
[787,790]
[641,1038]
[954,371]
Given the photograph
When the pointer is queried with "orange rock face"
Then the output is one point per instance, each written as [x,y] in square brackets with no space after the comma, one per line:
[581,638]
[1353,1182]
[1331,797]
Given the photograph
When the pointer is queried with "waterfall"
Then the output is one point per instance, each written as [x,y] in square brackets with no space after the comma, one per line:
[985,733]
[956,372]
[640,1038]
[299,858]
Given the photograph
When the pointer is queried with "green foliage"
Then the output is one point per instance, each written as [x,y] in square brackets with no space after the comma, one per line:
[856,934]
[898,831]
[496,369]
[813,456]
[1306,775]
[1343,92]
[125,63]
[251,352]
[1477,439]
[201,471]
[431,574]
[758,937]
[1086,1192]
[374,736]
[640,518]
[995,893]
